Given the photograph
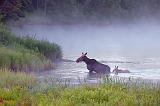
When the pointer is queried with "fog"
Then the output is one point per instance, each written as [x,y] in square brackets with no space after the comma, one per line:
[140,40]
[134,46]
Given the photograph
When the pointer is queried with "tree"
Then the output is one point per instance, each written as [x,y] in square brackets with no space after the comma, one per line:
[14,9]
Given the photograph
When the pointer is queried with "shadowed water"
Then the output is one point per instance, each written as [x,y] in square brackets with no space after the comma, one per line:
[133,47]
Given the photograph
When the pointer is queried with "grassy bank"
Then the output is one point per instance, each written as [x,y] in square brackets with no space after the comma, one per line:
[23,90]
[26,53]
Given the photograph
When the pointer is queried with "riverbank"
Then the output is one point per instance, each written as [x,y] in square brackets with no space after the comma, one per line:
[24,89]
[26,53]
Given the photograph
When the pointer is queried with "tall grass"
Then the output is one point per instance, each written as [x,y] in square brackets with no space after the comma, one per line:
[26,53]
[14,86]
[24,90]
[49,50]
[21,59]
[9,79]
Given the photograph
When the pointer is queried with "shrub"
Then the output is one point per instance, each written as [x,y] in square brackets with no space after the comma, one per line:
[26,53]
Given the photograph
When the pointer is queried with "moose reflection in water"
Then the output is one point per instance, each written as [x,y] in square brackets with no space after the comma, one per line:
[116,70]
[93,65]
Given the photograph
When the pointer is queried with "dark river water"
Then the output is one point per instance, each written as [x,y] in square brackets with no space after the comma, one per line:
[133,47]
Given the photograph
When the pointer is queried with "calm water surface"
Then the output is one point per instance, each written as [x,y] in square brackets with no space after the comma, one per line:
[132,47]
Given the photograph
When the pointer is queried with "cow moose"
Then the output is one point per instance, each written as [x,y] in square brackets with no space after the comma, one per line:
[93,65]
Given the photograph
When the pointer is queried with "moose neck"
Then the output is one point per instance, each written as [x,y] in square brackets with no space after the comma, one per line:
[86,60]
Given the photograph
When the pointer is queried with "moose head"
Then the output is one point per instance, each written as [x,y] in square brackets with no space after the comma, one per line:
[82,57]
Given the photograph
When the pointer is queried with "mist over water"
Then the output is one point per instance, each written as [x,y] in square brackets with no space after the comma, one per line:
[135,47]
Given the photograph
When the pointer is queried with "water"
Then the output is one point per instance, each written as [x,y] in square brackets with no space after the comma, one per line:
[132,47]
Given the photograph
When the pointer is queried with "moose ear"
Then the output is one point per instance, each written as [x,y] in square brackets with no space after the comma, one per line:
[86,53]
[117,66]
[82,53]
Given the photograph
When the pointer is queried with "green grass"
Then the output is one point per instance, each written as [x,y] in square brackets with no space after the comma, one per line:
[26,53]
[49,50]
[21,59]
[9,79]
[25,90]
[14,86]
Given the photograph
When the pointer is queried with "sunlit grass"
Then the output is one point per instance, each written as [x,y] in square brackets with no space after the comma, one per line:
[23,89]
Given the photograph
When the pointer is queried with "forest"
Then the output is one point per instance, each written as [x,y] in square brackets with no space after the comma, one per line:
[78,10]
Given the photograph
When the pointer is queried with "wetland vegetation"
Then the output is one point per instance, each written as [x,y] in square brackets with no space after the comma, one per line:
[25,90]
[26,53]
[22,55]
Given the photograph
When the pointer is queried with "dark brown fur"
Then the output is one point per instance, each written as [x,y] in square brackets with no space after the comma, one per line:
[93,65]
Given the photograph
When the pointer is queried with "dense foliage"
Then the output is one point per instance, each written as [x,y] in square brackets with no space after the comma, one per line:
[100,9]
[23,90]
[81,9]
[14,8]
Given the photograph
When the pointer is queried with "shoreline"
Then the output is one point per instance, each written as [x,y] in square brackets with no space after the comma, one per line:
[24,89]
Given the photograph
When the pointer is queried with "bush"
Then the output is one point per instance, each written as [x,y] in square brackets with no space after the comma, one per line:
[49,50]
[26,53]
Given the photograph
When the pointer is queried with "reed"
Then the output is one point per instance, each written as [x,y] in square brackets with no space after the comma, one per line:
[26,53]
